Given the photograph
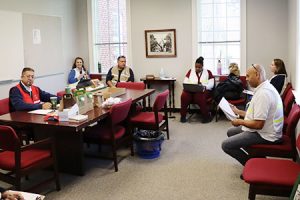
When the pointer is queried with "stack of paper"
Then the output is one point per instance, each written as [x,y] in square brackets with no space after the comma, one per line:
[41,111]
[225,106]
[78,118]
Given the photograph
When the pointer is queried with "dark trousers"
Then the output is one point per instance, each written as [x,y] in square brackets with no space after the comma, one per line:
[199,98]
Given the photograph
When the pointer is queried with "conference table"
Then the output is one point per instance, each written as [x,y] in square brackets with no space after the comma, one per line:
[68,136]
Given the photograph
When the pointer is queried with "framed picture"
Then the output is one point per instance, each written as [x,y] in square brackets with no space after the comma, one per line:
[160,43]
[295,195]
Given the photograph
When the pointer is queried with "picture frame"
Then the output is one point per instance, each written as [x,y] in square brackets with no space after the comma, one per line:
[295,195]
[160,43]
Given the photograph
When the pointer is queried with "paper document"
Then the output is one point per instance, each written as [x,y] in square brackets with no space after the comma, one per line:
[41,111]
[78,118]
[248,92]
[225,106]
[31,196]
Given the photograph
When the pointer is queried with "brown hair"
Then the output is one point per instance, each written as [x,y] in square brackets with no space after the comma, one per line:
[74,64]
[280,66]
[25,69]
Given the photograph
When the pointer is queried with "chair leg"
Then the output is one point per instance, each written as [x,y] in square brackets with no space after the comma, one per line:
[252,193]
[131,140]
[114,151]
[18,181]
[56,176]
[167,129]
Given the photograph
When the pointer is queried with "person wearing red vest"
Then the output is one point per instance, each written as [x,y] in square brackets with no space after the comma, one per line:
[197,75]
[26,96]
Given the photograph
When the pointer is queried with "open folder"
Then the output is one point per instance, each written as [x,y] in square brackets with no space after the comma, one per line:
[225,107]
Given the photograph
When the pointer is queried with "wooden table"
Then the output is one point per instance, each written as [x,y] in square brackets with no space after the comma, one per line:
[68,136]
[166,81]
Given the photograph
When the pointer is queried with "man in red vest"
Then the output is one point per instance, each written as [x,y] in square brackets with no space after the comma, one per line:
[26,96]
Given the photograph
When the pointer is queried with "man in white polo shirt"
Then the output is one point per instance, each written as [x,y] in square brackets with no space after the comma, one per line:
[263,120]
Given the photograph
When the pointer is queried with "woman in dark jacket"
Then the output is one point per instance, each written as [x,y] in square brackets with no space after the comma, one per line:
[232,87]
[280,75]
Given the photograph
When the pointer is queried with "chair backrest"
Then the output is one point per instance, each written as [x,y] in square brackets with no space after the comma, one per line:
[4,106]
[96,76]
[61,93]
[292,120]
[298,142]
[132,85]
[160,100]
[288,102]
[8,138]
[119,112]
[287,88]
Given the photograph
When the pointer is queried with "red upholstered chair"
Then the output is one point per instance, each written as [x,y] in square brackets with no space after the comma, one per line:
[288,101]
[61,93]
[153,120]
[132,85]
[113,132]
[287,88]
[242,101]
[96,76]
[19,161]
[274,177]
[287,148]
[4,106]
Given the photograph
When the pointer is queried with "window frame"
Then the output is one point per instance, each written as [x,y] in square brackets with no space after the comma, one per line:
[93,62]
[243,31]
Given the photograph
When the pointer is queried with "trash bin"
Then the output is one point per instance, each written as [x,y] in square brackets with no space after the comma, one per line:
[148,143]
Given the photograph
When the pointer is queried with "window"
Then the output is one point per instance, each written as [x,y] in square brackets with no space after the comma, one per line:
[110,33]
[219,33]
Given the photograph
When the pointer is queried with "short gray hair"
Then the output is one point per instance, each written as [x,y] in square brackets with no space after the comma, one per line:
[262,72]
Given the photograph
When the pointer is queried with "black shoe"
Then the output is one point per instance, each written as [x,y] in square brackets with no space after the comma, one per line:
[182,119]
[241,177]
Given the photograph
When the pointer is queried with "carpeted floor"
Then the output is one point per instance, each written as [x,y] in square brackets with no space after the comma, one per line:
[192,166]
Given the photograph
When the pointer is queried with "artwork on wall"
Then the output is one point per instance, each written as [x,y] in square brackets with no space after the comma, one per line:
[160,43]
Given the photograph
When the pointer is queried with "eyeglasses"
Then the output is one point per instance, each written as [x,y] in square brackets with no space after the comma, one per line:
[254,67]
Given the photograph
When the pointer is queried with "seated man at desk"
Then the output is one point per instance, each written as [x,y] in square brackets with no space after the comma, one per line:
[119,73]
[26,96]
[197,75]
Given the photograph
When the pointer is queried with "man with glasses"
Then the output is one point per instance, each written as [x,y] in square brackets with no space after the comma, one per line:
[26,96]
[263,120]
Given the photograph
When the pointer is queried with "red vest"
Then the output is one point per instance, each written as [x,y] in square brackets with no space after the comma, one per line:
[35,93]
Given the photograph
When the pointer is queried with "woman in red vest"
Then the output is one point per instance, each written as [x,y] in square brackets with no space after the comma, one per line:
[197,75]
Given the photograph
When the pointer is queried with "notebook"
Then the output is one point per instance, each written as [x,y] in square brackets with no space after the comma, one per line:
[192,87]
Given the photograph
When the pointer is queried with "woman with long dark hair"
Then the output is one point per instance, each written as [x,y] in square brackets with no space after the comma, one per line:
[78,71]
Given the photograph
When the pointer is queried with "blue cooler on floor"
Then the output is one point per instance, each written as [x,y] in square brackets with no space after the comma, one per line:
[148,143]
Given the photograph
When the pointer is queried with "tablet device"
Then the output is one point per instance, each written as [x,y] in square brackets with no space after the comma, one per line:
[193,87]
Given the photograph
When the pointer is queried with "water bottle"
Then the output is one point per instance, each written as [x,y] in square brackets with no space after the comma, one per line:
[219,67]
[162,73]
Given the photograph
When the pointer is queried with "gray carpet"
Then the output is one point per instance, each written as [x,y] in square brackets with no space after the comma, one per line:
[192,166]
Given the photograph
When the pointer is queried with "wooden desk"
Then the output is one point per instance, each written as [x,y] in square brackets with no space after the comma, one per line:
[167,81]
[68,136]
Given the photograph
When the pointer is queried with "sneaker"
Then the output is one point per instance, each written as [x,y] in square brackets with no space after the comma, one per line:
[207,119]
[182,119]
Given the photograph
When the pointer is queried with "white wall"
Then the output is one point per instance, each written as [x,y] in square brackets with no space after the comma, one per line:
[267,32]
[67,9]
[158,14]
[292,42]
